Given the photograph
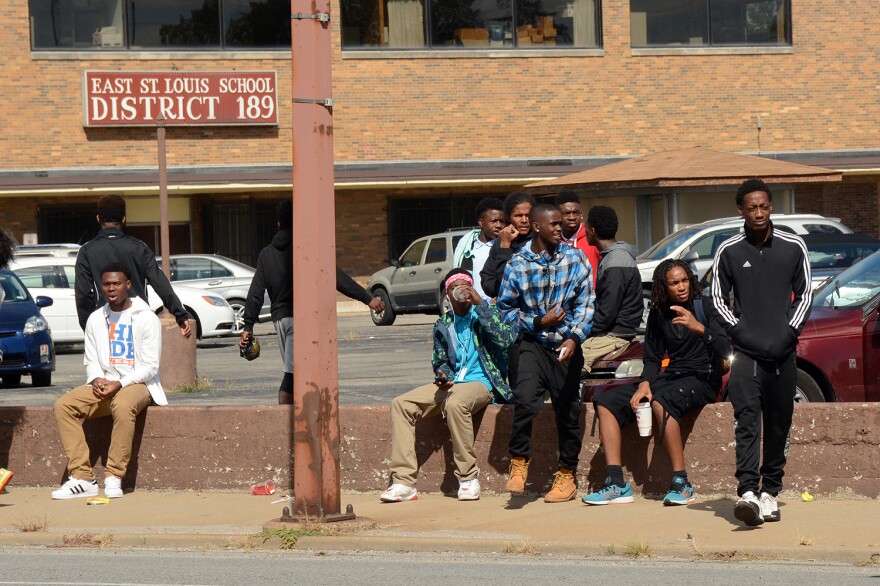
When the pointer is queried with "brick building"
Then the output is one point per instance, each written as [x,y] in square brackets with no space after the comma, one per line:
[437,104]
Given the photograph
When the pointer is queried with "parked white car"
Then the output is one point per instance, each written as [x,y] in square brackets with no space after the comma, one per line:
[698,243]
[54,277]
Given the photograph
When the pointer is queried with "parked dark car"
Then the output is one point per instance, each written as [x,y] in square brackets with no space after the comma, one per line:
[25,340]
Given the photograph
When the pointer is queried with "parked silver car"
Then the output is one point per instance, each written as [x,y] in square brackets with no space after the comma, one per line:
[412,283]
[224,276]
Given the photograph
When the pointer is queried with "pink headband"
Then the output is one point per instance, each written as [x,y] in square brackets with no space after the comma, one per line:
[458,277]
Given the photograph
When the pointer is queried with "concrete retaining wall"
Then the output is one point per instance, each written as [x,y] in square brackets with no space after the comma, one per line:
[834,448]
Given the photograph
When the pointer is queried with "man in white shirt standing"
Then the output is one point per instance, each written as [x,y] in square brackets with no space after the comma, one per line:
[473,249]
[123,344]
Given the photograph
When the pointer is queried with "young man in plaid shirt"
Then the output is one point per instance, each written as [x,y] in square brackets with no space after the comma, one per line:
[547,292]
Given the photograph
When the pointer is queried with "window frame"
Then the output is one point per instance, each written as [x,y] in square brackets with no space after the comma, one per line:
[710,45]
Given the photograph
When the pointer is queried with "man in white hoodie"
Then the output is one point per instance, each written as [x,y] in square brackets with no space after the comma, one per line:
[123,344]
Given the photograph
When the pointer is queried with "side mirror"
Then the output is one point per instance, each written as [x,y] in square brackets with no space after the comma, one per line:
[690,256]
[395,263]
[43,301]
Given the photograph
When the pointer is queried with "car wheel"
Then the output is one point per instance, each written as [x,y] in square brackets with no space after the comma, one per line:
[237,306]
[11,380]
[807,390]
[385,317]
[41,379]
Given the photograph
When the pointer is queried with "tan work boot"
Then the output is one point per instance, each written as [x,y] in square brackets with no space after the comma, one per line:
[564,489]
[519,472]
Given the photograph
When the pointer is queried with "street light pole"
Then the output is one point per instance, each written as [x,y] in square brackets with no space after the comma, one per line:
[164,246]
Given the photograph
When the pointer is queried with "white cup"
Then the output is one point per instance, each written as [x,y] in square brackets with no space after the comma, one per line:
[644,418]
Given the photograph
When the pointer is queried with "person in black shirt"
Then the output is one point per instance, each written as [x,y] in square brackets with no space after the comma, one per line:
[677,327]
[274,275]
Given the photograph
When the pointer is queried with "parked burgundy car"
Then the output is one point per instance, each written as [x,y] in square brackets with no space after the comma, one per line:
[838,353]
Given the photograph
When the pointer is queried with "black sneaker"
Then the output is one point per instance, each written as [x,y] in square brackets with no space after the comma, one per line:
[769,508]
[748,510]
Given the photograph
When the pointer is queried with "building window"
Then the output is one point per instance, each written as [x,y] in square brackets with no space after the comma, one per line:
[466,24]
[710,22]
[159,24]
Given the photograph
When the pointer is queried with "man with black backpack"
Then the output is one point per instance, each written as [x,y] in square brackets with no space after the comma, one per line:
[677,326]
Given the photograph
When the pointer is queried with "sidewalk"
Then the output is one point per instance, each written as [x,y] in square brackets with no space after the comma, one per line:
[828,529]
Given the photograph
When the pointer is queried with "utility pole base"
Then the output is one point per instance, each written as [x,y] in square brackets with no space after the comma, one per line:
[348,515]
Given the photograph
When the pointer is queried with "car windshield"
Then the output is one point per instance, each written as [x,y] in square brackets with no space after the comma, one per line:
[667,246]
[852,288]
[839,254]
[13,290]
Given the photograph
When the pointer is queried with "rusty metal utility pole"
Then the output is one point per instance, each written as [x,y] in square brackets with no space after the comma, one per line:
[316,379]
[164,246]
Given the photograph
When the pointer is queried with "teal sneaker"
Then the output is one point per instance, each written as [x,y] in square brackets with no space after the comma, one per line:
[610,494]
[680,493]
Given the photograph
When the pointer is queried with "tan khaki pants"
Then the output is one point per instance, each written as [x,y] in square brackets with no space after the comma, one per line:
[457,405]
[596,348]
[80,404]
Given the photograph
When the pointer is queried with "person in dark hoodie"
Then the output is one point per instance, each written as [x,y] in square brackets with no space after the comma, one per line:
[274,275]
[517,207]
[113,245]
[619,305]
[768,271]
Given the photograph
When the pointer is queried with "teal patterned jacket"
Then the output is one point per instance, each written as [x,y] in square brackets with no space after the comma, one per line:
[492,338]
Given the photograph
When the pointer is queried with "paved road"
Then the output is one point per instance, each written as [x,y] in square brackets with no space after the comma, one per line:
[117,567]
[375,364]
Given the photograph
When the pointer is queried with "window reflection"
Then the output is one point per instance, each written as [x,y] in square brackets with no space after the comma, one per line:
[256,23]
[178,23]
[76,24]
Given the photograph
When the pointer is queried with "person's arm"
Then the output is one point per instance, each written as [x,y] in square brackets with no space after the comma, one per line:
[495,332]
[721,285]
[256,294]
[440,354]
[84,289]
[160,284]
[493,271]
[509,305]
[654,347]
[802,303]
[350,288]
[94,369]
[582,318]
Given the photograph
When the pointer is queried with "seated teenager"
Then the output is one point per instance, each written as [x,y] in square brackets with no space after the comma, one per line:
[691,380]
[470,368]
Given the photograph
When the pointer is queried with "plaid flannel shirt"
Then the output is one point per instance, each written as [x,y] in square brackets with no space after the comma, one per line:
[535,283]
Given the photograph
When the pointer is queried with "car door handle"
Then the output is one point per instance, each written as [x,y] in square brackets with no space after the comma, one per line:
[438,269]
[412,273]
[215,282]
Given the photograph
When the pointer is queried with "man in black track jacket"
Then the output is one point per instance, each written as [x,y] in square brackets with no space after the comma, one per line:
[112,245]
[768,272]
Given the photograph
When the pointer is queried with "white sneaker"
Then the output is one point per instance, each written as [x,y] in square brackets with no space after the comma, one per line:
[769,508]
[748,509]
[399,492]
[112,487]
[469,490]
[75,488]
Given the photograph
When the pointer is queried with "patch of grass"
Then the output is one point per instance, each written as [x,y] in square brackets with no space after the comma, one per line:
[31,525]
[78,540]
[802,540]
[521,548]
[638,549]
[290,536]
[874,560]
[201,384]
[609,550]
[105,540]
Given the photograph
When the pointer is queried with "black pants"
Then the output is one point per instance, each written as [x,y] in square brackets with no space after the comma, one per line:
[539,372]
[762,394]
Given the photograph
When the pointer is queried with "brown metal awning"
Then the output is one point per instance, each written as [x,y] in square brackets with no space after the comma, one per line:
[690,167]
